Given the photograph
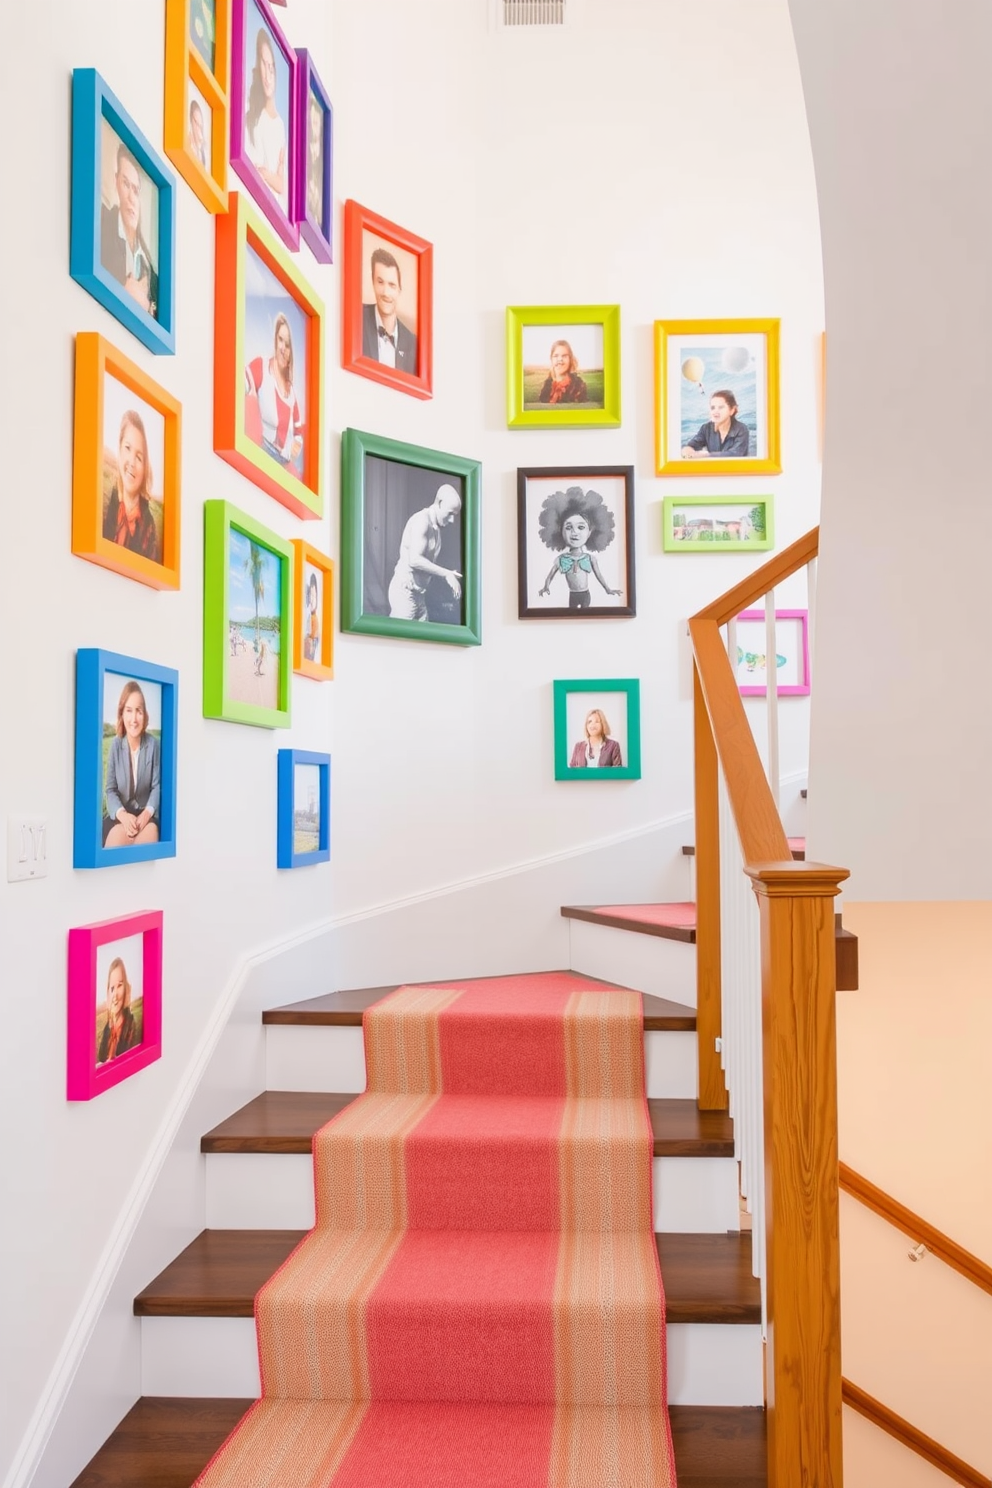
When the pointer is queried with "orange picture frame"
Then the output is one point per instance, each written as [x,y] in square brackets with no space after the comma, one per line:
[158,428]
[313,625]
[258,285]
[364,232]
[186,70]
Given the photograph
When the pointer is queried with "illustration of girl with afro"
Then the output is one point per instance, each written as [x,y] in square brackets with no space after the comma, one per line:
[580,522]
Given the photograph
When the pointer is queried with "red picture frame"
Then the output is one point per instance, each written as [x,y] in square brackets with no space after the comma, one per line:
[364,232]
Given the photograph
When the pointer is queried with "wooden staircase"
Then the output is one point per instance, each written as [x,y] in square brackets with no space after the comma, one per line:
[166,1439]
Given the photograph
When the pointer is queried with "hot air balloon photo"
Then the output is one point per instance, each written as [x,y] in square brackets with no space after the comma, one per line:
[717,396]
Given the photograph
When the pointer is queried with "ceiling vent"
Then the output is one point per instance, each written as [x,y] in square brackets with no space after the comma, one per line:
[531,12]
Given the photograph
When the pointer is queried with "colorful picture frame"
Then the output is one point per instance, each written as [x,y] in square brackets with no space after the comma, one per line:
[197,68]
[247,649]
[716,390]
[314,203]
[103,766]
[582,390]
[397,500]
[718,524]
[272,436]
[264,155]
[313,612]
[384,288]
[117,961]
[304,793]
[111,158]
[581,519]
[791,653]
[122,419]
[616,747]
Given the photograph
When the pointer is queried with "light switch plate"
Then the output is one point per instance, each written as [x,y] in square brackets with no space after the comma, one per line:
[27,848]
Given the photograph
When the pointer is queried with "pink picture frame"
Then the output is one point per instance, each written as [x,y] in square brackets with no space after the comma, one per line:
[257,40]
[791,648]
[100,976]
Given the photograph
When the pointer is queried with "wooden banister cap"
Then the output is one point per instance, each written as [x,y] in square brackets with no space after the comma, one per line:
[791,880]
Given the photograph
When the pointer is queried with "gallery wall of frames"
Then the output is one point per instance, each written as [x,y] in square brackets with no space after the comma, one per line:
[249,127]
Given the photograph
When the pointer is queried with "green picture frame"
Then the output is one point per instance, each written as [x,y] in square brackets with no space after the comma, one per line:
[400,501]
[718,524]
[575,392]
[619,743]
[247,657]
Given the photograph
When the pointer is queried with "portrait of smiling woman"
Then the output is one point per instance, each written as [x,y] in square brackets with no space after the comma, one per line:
[133,779]
[133,450]
[265,126]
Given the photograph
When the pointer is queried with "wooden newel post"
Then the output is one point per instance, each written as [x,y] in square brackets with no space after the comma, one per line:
[799,985]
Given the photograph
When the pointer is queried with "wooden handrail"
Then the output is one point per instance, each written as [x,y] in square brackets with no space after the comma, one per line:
[910,1436]
[756,585]
[916,1228]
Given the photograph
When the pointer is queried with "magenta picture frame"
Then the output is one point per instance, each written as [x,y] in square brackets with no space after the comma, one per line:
[244,15]
[85,1078]
[798,689]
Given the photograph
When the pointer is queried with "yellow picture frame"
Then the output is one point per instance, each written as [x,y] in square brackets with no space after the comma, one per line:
[187,74]
[706,368]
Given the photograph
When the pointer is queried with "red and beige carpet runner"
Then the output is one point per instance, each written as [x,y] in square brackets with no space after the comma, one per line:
[479,1304]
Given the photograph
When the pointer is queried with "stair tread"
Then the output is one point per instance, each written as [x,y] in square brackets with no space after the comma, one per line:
[652,920]
[344,1009]
[797,846]
[707,1277]
[166,1441]
[284,1121]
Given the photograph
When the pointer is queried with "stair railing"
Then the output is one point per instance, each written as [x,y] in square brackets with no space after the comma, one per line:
[766,984]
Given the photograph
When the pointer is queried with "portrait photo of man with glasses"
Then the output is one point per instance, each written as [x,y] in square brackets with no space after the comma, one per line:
[128,222]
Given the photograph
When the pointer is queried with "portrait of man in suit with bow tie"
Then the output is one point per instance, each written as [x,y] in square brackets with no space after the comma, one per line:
[384,336]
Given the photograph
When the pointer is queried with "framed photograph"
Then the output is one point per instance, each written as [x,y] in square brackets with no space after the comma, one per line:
[716,390]
[313,612]
[264,150]
[197,66]
[247,619]
[579,519]
[304,834]
[598,729]
[717,524]
[563,366]
[409,541]
[125,467]
[314,204]
[388,302]
[268,364]
[115,1002]
[124,801]
[122,239]
[791,653]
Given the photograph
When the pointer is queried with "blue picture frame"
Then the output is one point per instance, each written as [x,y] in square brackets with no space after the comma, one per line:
[93,103]
[592,693]
[93,666]
[316,228]
[287,854]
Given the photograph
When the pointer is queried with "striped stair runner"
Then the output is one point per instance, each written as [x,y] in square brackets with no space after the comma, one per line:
[479,1304]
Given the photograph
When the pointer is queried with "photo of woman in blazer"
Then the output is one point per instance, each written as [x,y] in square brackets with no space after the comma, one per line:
[134,775]
[597,750]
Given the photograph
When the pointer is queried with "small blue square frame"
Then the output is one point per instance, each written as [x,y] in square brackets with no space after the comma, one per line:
[92,102]
[89,802]
[286,854]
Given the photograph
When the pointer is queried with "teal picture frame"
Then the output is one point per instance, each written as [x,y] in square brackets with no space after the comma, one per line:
[574,700]
[718,524]
[385,487]
[247,663]
[592,334]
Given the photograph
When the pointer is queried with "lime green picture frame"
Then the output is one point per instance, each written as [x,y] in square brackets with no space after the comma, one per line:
[718,524]
[220,650]
[560,319]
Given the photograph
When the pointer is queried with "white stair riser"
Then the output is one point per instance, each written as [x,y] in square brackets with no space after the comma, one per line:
[269,1191]
[648,963]
[708,1364]
[302,1058]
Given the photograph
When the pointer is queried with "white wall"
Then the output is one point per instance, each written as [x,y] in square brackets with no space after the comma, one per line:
[900,114]
[629,158]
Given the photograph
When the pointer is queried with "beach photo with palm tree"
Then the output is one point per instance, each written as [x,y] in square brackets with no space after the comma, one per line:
[253,620]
